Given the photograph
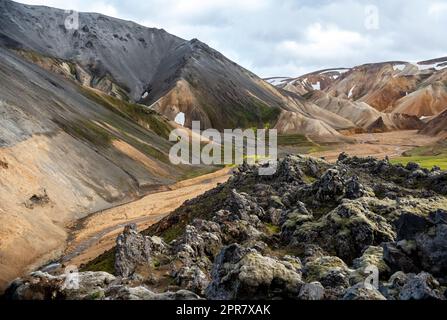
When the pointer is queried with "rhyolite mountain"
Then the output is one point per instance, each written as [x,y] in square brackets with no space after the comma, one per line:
[437,126]
[160,70]
[70,142]
[405,90]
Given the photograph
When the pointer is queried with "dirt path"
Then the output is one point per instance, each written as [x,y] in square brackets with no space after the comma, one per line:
[379,145]
[98,232]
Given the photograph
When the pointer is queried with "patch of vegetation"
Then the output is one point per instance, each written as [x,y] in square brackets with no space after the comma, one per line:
[309,179]
[88,131]
[272,229]
[240,114]
[301,144]
[203,207]
[105,262]
[294,139]
[150,151]
[425,162]
[144,116]
[172,233]
[426,157]
[197,172]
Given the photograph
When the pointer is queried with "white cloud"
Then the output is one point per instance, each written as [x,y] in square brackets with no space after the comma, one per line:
[325,42]
[437,9]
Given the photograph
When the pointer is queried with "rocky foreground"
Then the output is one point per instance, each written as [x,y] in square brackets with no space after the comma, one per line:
[359,229]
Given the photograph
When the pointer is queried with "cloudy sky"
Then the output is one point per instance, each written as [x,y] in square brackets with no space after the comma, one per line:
[292,37]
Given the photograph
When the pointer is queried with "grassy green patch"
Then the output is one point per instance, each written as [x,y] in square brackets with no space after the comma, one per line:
[425,162]
[272,229]
[200,171]
[426,157]
[140,114]
[294,139]
[88,131]
[309,179]
[298,143]
[104,262]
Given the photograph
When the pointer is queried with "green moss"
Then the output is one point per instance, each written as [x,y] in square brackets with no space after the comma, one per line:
[203,208]
[140,114]
[272,229]
[427,156]
[197,172]
[88,131]
[317,269]
[425,162]
[149,150]
[294,139]
[104,262]
[173,232]
[97,295]
[309,179]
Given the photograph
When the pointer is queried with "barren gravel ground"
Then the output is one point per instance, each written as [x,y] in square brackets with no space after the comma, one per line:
[97,233]
[379,145]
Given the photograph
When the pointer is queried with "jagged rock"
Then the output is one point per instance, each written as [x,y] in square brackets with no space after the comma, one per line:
[244,206]
[291,220]
[398,255]
[370,262]
[192,279]
[200,239]
[263,194]
[409,225]
[197,246]
[76,286]
[274,216]
[329,188]
[241,273]
[355,190]
[133,249]
[361,291]
[424,244]
[432,244]
[393,286]
[346,230]
[142,293]
[235,229]
[312,291]
[421,287]
[289,170]
[330,271]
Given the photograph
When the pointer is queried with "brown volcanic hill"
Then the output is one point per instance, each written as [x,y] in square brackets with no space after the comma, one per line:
[395,121]
[396,86]
[437,126]
[292,122]
[360,113]
[375,84]
[429,99]
[318,80]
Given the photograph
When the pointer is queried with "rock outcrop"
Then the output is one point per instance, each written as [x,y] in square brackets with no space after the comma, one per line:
[359,229]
